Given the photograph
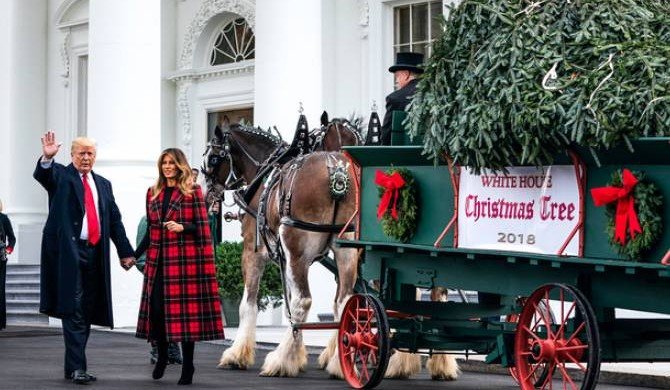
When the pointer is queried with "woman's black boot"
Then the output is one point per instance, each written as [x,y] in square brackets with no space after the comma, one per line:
[187,368]
[162,361]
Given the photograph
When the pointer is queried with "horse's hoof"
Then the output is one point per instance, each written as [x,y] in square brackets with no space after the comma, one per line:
[443,377]
[278,374]
[231,366]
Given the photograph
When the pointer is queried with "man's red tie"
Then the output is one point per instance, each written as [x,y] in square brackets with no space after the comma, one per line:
[91,213]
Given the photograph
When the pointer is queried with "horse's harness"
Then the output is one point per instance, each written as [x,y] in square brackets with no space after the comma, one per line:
[270,173]
[317,136]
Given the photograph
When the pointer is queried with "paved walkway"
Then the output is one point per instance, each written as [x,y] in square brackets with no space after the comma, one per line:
[31,358]
[317,339]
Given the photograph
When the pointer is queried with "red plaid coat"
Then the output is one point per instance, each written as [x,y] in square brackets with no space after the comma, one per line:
[192,305]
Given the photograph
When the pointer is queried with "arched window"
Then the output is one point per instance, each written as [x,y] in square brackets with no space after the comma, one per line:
[235,43]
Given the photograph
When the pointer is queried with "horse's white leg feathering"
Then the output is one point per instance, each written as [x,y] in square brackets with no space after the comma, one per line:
[402,365]
[443,367]
[242,353]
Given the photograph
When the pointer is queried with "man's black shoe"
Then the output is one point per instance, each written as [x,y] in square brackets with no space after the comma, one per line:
[81,377]
[93,377]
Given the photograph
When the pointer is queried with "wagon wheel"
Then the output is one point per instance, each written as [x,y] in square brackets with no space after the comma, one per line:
[363,341]
[539,373]
[569,347]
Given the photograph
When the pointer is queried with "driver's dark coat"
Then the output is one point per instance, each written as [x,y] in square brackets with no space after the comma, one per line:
[396,101]
[59,257]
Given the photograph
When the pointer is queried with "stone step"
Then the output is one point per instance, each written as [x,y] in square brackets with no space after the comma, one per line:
[23,266]
[18,269]
[23,278]
[22,294]
[23,304]
[20,317]
[23,269]
[23,286]
[23,275]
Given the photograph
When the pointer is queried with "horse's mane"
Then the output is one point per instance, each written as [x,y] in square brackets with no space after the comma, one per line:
[354,123]
[258,133]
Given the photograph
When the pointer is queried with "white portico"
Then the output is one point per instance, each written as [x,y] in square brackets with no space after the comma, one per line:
[140,76]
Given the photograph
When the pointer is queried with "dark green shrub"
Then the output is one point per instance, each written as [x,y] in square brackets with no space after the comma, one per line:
[228,260]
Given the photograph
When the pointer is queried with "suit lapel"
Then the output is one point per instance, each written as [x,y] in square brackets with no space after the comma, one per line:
[78,186]
[175,203]
[99,188]
[155,206]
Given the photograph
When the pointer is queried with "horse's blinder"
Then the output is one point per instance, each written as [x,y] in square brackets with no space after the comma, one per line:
[215,159]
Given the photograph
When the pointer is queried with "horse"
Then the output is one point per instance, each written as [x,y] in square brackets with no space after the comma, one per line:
[248,151]
[336,133]
[302,186]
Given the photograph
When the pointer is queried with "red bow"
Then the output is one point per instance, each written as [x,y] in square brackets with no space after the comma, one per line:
[625,209]
[391,183]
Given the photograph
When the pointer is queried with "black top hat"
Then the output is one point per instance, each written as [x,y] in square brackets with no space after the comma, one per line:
[407,61]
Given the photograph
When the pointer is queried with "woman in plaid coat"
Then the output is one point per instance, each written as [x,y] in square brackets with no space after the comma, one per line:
[180,301]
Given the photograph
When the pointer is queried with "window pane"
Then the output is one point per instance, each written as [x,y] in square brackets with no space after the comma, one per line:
[419,47]
[401,48]
[420,22]
[417,25]
[436,19]
[235,43]
[401,25]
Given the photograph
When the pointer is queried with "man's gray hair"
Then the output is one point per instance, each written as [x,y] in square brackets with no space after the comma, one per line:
[83,141]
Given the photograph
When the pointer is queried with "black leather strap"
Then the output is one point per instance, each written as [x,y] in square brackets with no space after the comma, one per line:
[314,227]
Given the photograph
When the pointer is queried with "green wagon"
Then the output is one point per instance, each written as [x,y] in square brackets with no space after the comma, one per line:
[549,316]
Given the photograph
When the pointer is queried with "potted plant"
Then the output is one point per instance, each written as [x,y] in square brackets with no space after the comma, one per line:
[228,260]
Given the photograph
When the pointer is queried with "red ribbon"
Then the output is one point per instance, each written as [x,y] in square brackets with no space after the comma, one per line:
[625,209]
[392,184]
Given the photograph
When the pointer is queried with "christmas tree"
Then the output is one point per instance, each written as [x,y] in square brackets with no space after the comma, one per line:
[515,82]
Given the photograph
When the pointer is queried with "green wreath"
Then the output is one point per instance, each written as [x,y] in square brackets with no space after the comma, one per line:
[649,208]
[402,228]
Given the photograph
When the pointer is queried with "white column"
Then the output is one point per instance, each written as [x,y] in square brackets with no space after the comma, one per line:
[125,78]
[290,52]
[5,133]
[288,63]
[125,118]
[22,119]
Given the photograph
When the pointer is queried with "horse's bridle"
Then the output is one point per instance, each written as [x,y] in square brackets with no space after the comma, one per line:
[215,160]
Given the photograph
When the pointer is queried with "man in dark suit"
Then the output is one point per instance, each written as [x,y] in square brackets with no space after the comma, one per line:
[405,71]
[75,271]
[7,242]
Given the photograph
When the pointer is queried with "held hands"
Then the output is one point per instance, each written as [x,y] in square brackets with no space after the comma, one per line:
[49,145]
[174,226]
[127,262]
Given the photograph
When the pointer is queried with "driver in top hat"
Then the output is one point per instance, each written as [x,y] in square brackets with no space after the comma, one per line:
[405,72]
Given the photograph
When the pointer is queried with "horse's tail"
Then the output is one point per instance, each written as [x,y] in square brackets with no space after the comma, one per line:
[338,177]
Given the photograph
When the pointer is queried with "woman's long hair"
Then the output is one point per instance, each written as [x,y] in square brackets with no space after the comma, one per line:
[184,174]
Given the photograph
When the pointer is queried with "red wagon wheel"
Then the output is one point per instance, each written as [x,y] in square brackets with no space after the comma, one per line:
[363,341]
[568,347]
[539,373]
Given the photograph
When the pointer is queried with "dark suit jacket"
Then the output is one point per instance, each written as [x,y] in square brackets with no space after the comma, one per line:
[396,101]
[59,259]
[8,237]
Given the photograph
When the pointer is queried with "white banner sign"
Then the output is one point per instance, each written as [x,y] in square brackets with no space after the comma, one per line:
[526,210]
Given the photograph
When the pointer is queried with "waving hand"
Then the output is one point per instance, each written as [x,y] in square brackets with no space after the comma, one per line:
[49,145]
